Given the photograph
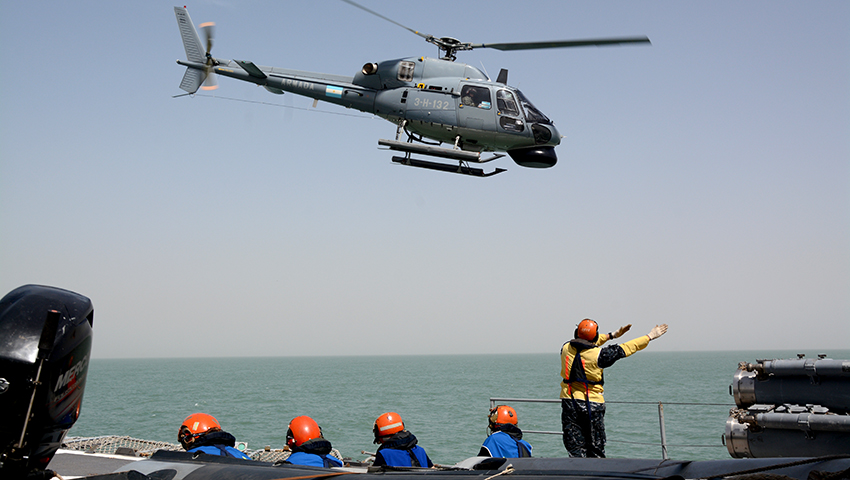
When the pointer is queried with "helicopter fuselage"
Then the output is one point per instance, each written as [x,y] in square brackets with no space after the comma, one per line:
[437,99]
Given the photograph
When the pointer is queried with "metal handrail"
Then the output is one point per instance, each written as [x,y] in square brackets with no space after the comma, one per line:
[663,431]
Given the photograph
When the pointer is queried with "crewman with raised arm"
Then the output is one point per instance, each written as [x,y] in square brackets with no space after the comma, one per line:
[582,362]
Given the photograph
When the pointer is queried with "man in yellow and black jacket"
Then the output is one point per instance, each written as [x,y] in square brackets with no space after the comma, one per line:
[582,405]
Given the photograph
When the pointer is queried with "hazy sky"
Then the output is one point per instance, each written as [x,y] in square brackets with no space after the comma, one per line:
[703,181]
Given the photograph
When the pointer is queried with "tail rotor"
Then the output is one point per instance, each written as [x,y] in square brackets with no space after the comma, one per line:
[208,31]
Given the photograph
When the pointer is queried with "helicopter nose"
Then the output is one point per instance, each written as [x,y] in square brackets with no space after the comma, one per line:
[543,154]
[545,134]
[556,135]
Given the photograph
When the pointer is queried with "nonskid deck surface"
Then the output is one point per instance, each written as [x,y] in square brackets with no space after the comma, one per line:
[111,444]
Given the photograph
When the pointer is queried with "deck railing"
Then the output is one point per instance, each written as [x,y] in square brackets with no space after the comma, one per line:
[663,432]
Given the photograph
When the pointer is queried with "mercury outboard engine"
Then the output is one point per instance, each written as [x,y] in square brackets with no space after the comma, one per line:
[45,342]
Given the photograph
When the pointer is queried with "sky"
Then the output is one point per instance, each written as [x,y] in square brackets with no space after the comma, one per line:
[702,181]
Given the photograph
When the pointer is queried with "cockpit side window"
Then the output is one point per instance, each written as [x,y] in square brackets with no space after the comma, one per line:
[506,103]
[532,114]
[405,71]
[478,97]
[509,117]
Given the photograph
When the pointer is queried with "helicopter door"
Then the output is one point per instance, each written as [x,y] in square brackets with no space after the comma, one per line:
[476,115]
[508,112]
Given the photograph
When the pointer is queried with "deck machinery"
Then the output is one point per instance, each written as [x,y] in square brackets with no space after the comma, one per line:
[790,408]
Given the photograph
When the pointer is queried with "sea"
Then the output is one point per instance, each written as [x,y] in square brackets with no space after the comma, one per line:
[443,399]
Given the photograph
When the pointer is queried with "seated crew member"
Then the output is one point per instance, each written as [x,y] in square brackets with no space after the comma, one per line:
[505,439]
[398,446]
[201,432]
[309,447]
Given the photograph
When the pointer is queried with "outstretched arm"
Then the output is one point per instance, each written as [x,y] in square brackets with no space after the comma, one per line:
[612,335]
[621,331]
[610,354]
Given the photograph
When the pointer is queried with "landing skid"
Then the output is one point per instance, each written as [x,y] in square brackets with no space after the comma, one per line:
[445,167]
[461,156]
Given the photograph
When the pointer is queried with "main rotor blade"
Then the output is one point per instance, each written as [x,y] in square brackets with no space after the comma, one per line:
[361,7]
[561,43]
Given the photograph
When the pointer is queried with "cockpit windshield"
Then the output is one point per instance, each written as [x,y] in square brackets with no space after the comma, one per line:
[532,114]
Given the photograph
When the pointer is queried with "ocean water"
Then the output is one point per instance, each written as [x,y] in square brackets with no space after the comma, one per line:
[443,399]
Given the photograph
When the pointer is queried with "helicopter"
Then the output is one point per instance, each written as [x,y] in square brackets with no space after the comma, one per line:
[433,101]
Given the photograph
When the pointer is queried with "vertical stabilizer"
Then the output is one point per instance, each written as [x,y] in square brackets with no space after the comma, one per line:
[193,78]
[191,40]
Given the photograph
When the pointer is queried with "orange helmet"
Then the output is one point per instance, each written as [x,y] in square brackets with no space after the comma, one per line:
[587,329]
[500,415]
[196,425]
[386,425]
[302,429]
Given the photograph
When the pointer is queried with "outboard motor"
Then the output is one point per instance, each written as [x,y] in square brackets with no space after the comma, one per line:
[45,343]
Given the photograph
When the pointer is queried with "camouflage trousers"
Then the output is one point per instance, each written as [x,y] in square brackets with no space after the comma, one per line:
[584,436]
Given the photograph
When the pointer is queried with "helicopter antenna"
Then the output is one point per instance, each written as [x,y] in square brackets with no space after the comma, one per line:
[272,104]
[485,70]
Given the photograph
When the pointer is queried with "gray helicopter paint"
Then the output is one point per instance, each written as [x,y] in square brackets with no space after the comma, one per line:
[336,89]
[425,70]
[431,105]
[435,106]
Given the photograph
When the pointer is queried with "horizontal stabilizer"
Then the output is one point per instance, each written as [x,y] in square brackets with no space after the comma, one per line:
[252,69]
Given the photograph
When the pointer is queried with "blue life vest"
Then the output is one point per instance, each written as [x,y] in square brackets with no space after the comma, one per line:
[404,458]
[501,444]
[401,450]
[221,450]
[218,443]
[313,460]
